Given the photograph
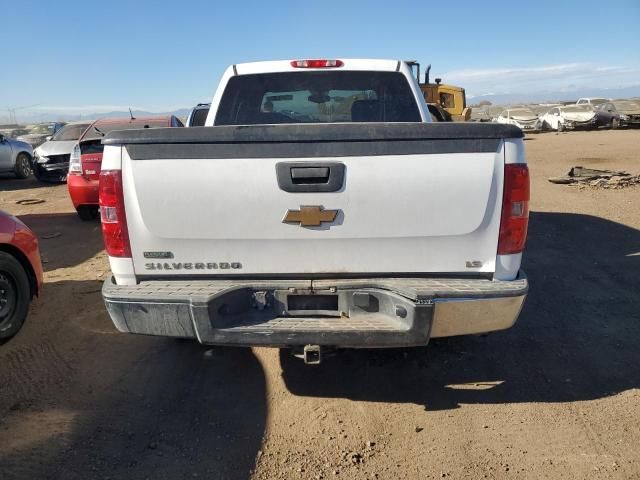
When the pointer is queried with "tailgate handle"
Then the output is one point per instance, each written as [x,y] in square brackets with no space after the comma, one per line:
[310,174]
[310,177]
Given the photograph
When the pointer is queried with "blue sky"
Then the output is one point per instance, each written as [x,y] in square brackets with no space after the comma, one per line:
[88,56]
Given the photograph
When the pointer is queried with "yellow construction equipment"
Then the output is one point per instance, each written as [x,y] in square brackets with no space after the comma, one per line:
[453,99]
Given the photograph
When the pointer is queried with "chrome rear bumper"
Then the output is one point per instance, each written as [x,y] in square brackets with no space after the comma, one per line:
[377,312]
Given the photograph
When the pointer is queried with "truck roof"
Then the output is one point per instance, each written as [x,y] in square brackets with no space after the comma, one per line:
[348,64]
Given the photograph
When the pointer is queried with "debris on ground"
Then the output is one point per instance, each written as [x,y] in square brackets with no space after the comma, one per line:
[30,201]
[47,236]
[589,177]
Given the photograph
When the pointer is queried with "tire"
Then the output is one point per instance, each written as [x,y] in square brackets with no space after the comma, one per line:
[23,166]
[87,212]
[615,124]
[15,296]
[560,127]
[38,173]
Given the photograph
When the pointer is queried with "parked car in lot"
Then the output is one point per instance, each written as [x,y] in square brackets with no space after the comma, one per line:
[198,115]
[483,113]
[569,117]
[20,273]
[319,207]
[86,158]
[40,133]
[14,132]
[608,116]
[522,117]
[51,159]
[15,157]
[630,109]
[594,102]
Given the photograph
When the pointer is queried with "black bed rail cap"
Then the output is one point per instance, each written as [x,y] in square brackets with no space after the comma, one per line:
[334,132]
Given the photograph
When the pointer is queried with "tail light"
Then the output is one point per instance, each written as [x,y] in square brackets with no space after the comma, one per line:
[318,63]
[112,214]
[515,209]
[75,167]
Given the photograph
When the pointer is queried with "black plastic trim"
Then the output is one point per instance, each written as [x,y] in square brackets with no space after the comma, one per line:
[312,140]
[163,151]
[287,182]
[320,276]
[305,133]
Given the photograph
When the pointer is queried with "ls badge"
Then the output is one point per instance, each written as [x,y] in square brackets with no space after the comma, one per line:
[310,216]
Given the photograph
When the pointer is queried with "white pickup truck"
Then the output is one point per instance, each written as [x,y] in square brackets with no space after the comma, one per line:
[318,207]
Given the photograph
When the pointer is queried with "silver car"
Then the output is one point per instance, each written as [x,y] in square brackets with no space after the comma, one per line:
[15,157]
[51,159]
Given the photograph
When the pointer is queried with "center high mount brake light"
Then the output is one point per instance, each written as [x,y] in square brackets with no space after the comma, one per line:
[317,63]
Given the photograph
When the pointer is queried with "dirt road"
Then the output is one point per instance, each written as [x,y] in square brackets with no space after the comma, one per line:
[555,397]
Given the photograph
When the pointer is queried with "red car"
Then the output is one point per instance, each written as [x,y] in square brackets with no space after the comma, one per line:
[86,158]
[20,273]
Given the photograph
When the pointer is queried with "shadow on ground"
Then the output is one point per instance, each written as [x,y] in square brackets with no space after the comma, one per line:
[577,337]
[9,183]
[79,400]
[64,239]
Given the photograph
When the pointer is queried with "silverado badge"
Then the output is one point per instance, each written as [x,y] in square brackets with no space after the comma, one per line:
[310,216]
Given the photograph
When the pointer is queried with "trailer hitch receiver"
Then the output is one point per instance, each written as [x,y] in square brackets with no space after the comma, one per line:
[312,354]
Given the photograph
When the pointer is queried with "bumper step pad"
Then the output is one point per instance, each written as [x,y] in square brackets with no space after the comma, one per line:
[363,312]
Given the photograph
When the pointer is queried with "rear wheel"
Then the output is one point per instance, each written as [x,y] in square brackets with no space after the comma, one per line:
[23,166]
[15,295]
[615,123]
[87,212]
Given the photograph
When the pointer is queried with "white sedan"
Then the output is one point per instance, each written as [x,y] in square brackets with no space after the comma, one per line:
[569,117]
[522,117]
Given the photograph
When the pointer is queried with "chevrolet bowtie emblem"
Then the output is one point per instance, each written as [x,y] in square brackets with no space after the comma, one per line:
[310,216]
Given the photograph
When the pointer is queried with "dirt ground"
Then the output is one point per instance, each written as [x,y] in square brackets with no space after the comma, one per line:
[557,396]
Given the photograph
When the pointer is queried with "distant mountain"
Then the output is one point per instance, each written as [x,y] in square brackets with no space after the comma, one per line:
[554,96]
[182,112]
[44,116]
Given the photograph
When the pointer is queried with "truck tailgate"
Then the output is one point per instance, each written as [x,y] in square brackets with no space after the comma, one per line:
[413,198]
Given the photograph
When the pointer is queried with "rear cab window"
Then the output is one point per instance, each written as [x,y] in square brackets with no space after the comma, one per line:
[447,100]
[199,117]
[317,97]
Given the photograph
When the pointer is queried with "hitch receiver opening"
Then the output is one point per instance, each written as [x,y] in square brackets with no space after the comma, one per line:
[312,354]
